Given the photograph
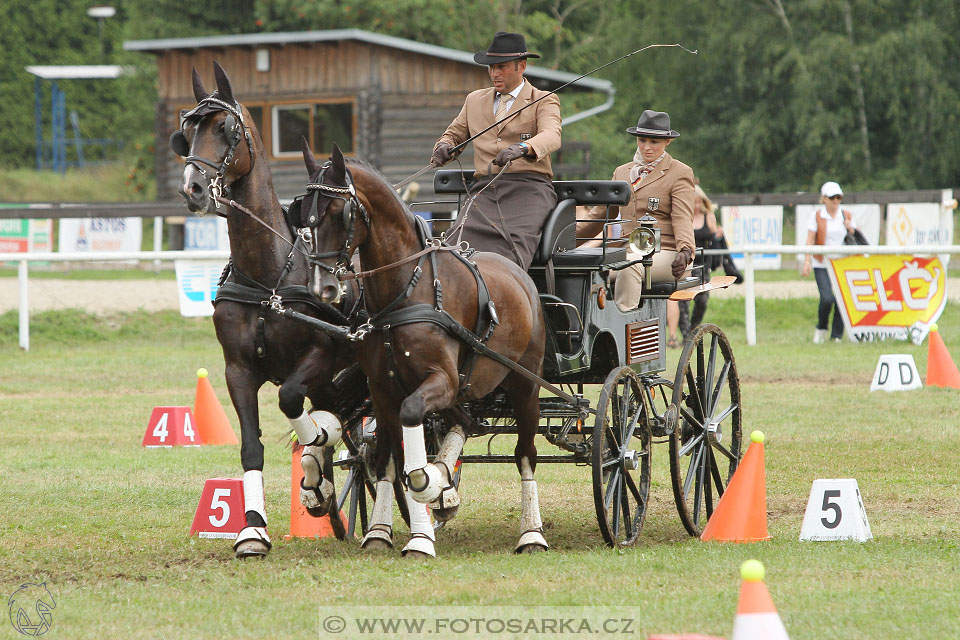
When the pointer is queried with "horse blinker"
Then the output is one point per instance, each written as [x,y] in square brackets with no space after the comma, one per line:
[178,143]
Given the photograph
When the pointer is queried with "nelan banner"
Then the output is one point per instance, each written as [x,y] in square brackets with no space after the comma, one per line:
[894,296]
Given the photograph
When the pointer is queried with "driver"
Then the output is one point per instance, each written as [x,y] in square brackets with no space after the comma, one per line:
[507,217]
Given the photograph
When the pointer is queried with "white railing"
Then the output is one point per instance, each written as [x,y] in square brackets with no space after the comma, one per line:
[91,256]
[750,309]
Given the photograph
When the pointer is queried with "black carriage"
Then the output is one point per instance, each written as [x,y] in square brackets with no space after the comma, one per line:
[591,342]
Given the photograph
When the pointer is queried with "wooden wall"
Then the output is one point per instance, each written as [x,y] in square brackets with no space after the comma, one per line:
[404,102]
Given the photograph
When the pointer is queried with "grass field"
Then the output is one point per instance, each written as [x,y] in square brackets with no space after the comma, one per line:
[104,521]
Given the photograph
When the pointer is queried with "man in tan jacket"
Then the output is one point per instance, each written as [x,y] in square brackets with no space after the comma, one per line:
[661,187]
[507,217]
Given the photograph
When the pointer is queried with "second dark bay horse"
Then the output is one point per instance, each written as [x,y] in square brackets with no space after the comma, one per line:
[414,365]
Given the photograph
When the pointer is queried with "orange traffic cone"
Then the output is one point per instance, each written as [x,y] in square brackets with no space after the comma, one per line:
[212,423]
[757,618]
[302,524]
[941,370]
[741,514]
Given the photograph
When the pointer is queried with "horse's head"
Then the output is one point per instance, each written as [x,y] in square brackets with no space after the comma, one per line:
[216,140]
[336,219]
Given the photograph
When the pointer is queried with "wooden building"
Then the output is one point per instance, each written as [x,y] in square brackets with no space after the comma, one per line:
[383,99]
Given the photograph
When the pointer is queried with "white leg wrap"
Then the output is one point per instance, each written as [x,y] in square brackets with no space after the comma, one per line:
[530,523]
[450,450]
[253,493]
[414,449]
[317,428]
[425,481]
[381,520]
[313,480]
[421,529]
[451,447]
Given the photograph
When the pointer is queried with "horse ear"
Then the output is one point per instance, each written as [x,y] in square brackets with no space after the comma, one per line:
[223,83]
[338,166]
[199,92]
[312,167]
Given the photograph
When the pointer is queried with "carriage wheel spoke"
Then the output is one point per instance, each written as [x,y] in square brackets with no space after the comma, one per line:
[693,442]
[715,472]
[708,379]
[721,383]
[691,470]
[625,505]
[695,394]
[617,487]
[611,487]
[698,485]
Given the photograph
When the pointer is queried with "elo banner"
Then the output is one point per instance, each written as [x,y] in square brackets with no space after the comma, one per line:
[889,296]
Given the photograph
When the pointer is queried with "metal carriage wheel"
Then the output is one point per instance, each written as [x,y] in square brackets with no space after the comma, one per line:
[358,490]
[621,458]
[705,446]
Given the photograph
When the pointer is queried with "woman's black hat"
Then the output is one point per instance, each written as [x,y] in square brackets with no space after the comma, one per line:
[653,124]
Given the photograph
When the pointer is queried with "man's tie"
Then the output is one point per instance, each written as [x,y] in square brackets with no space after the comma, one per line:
[502,105]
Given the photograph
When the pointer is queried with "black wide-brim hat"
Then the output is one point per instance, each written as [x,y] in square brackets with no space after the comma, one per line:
[653,124]
[504,48]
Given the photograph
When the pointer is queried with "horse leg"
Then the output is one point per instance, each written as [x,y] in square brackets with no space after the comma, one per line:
[422,535]
[380,533]
[318,431]
[524,397]
[252,541]
[428,483]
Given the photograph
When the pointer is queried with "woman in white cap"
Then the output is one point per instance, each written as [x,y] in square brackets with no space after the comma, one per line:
[828,226]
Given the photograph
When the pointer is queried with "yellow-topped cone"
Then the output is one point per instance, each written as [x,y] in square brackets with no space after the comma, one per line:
[757,618]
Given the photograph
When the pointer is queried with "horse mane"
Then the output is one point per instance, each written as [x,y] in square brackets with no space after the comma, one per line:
[377,175]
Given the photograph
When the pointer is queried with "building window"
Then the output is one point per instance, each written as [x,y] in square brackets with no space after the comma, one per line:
[321,123]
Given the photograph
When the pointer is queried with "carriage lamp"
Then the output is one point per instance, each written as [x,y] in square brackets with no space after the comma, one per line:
[645,241]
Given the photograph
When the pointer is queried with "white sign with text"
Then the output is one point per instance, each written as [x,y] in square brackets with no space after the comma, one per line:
[756,225]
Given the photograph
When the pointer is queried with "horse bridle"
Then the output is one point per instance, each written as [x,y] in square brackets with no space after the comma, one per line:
[234,129]
[351,207]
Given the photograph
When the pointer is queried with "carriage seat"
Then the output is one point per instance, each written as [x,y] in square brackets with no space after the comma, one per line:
[558,236]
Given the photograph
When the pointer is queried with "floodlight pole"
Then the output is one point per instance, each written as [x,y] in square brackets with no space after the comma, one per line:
[101,13]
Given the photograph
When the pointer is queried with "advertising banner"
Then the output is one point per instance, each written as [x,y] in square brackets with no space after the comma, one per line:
[100,234]
[920,223]
[22,235]
[757,225]
[888,296]
[208,233]
[197,286]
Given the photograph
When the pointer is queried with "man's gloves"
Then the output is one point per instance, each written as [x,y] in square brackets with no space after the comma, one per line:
[679,264]
[442,154]
[512,152]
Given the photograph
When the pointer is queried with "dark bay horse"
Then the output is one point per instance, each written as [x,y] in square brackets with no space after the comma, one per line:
[225,158]
[413,364]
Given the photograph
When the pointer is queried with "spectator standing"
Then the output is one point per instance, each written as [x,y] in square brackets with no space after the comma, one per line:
[828,226]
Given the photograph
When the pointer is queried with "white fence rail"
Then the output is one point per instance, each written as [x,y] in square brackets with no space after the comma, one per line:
[750,311]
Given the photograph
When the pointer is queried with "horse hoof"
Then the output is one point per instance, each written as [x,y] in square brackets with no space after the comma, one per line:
[531,548]
[531,542]
[377,540]
[376,544]
[444,515]
[417,555]
[318,511]
[420,547]
[251,549]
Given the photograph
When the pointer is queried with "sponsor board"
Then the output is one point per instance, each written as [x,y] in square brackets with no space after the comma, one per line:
[85,235]
[921,224]
[197,286]
[753,225]
[882,297]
